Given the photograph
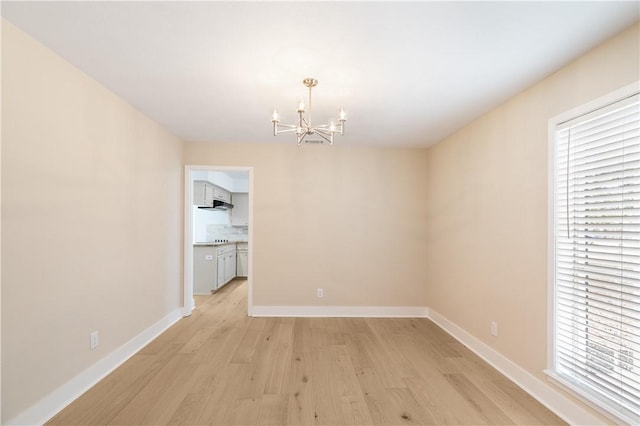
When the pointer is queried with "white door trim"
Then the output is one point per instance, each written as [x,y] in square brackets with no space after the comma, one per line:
[187,298]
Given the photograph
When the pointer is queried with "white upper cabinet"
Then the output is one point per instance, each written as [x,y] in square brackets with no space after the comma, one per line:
[240,211]
[205,192]
[202,193]
[221,194]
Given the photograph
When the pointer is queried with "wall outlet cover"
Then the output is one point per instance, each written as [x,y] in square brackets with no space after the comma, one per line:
[494,328]
[93,340]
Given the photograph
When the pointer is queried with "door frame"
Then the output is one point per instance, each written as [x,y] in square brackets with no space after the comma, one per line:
[188,304]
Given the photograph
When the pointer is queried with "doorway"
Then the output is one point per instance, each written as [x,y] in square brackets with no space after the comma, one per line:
[237,178]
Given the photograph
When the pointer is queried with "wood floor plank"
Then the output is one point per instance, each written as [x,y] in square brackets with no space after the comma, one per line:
[175,390]
[223,396]
[220,367]
[381,358]
[408,409]
[190,409]
[169,377]
[281,358]
[324,403]
[352,408]
[485,406]
[197,340]
[247,347]
[273,410]
[300,409]
[377,398]
[445,405]
[245,411]
[301,335]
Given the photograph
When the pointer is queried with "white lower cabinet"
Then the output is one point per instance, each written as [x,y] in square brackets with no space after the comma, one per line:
[204,269]
[220,275]
[215,266]
[230,267]
[242,260]
[242,268]
[226,264]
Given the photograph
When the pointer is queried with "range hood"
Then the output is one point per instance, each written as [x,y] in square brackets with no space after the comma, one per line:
[218,205]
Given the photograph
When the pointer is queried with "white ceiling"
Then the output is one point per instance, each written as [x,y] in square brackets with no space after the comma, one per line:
[406,73]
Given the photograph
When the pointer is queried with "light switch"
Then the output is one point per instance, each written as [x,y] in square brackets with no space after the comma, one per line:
[208,257]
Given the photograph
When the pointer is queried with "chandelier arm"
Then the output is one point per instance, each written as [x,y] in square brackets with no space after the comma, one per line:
[326,129]
[328,126]
[321,131]
[288,126]
[292,129]
[301,137]
[330,140]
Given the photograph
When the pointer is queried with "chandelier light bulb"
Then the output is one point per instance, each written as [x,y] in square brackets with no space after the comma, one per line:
[343,115]
[275,116]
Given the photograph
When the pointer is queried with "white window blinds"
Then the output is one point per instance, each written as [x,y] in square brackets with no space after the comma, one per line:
[597,257]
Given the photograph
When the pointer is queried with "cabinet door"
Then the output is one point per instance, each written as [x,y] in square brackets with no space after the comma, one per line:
[240,211]
[198,193]
[221,271]
[221,194]
[204,270]
[202,193]
[234,265]
[208,194]
[230,267]
[242,264]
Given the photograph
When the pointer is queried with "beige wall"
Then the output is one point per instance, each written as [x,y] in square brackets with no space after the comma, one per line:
[487,206]
[349,220]
[91,221]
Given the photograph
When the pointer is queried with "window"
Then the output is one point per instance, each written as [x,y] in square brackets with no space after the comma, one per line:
[596,255]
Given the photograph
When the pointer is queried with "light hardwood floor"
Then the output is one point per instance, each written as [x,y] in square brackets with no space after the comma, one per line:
[221,367]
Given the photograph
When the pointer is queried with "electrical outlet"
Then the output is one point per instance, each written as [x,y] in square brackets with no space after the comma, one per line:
[494,328]
[320,293]
[93,340]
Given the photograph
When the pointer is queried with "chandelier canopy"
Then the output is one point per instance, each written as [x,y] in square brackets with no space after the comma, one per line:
[304,127]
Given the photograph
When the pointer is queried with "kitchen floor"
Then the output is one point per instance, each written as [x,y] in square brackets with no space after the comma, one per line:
[221,367]
[202,299]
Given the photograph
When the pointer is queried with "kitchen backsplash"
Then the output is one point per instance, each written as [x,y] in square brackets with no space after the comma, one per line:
[226,232]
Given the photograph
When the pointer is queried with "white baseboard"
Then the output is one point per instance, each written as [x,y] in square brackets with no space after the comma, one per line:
[341,311]
[562,406]
[50,405]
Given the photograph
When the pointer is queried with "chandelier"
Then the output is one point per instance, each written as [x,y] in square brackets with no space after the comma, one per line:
[304,127]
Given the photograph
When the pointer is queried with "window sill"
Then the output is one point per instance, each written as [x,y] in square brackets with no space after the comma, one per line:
[592,399]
